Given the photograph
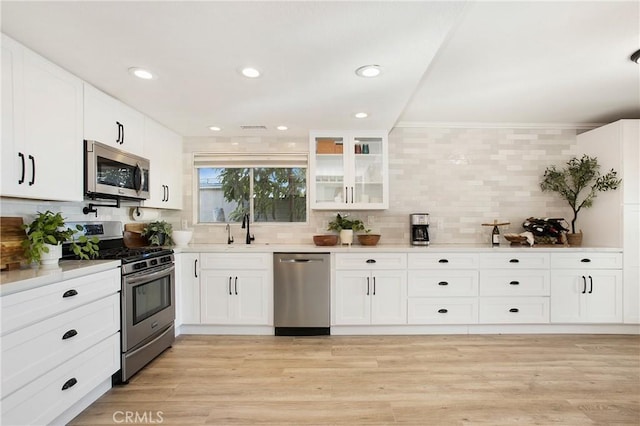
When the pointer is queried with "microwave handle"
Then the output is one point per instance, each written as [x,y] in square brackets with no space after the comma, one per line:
[139,178]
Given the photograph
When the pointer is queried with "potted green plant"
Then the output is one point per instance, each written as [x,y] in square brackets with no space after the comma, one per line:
[45,236]
[578,183]
[158,233]
[346,227]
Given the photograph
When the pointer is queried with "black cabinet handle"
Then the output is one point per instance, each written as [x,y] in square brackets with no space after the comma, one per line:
[584,287]
[70,293]
[236,286]
[442,311]
[21,180]
[514,310]
[367,286]
[230,287]
[585,260]
[119,140]
[195,268]
[69,334]
[443,283]
[69,383]
[514,261]
[590,284]
[371,261]
[167,193]
[122,140]
[346,194]
[443,261]
[374,286]
[33,170]
[514,283]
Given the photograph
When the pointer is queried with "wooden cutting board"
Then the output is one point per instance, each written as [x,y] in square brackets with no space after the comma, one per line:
[135,227]
[11,237]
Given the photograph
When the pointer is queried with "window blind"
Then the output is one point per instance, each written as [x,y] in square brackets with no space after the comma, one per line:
[234,160]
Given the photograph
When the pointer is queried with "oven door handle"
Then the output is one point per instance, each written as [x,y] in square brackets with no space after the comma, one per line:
[150,277]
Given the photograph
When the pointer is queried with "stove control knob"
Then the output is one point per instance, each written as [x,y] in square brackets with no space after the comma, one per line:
[140,265]
[153,262]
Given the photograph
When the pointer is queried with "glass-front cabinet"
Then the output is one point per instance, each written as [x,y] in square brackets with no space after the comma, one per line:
[349,170]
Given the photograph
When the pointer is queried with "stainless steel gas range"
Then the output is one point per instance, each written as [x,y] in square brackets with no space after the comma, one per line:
[147,296]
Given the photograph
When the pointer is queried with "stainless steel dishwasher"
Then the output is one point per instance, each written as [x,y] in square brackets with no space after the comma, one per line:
[301,283]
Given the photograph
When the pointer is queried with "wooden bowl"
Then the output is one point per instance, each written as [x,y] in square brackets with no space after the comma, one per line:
[325,240]
[515,239]
[368,239]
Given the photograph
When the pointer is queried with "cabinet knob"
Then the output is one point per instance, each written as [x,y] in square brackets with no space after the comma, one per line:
[443,283]
[70,293]
[514,261]
[443,261]
[69,334]
[442,311]
[371,261]
[69,383]
[514,310]
[514,283]
[586,260]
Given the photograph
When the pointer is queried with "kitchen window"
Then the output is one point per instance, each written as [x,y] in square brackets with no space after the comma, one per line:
[270,187]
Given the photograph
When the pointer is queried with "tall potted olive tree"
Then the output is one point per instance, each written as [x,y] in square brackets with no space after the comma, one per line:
[578,183]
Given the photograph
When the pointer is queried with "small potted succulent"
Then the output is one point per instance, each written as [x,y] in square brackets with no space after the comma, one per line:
[578,183]
[45,236]
[346,227]
[158,233]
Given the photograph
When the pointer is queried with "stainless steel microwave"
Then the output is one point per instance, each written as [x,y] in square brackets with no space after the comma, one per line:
[112,173]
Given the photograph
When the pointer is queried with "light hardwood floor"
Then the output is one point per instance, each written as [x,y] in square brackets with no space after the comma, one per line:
[357,380]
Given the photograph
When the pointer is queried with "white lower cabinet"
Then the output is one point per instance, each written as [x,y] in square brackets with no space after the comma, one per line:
[59,343]
[514,310]
[586,296]
[370,289]
[187,288]
[443,288]
[242,296]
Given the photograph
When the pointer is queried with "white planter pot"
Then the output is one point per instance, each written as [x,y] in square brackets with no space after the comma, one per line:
[51,259]
[346,236]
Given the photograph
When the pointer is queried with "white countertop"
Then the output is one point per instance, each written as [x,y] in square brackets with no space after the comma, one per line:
[311,248]
[28,278]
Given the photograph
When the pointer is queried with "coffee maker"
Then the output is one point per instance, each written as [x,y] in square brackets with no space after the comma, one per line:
[419,225]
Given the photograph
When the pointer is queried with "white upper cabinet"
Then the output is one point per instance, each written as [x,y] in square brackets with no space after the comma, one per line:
[41,127]
[109,121]
[163,148]
[349,170]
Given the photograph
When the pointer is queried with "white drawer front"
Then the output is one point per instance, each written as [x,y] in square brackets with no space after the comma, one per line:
[515,260]
[532,282]
[42,400]
[374,261]
[437,283]
[31,306]
[514,310]
[32,351]
[443,261]
[443,310]
[586,260]
[236,260]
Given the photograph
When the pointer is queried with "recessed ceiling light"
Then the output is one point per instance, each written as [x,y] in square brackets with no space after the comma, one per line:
[360,115]
[636,57]
[215,128]
[250,72]
[369,71]
[141,73]
[282,128]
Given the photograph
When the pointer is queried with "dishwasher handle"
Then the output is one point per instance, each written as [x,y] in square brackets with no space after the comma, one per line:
[300,260]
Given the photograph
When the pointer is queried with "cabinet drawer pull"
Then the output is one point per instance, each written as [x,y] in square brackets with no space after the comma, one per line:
[69,334]
[21,180]
[69,383]
[590,284]
[70,293]
[367,286]
[230,286]
[235,286]
[371,261]
[443,283]
[514,261]
[586,260]
[514,283]
[442,311]
[33,170]
[514,310]
[584,285]
[443,261]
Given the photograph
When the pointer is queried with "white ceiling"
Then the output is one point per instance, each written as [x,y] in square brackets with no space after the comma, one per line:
[444,63]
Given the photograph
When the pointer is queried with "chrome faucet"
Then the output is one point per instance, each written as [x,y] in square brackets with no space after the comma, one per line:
[245,220]
[229,237]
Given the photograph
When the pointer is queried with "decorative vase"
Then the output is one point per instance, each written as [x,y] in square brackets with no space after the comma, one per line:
[48,260]
[346,236]
[575,240]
